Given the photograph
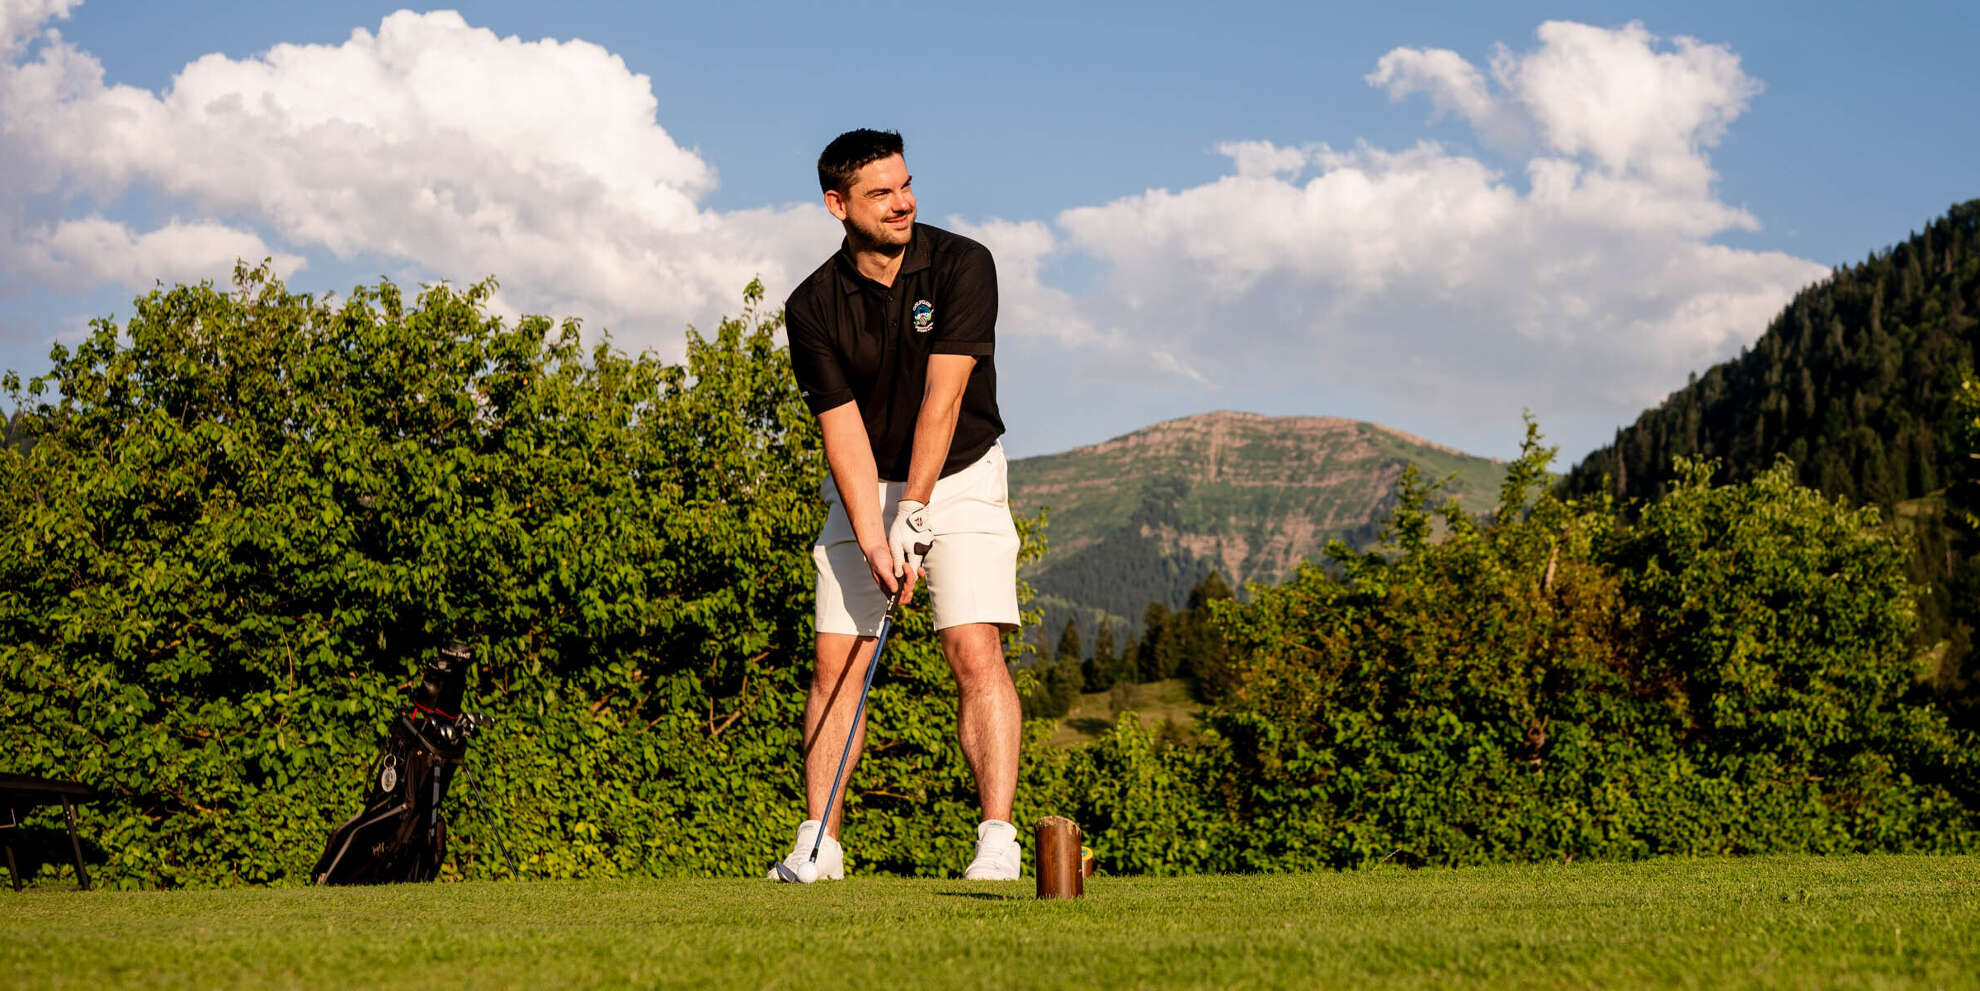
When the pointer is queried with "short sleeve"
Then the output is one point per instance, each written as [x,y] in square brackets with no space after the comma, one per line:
[814,362]
[968,323]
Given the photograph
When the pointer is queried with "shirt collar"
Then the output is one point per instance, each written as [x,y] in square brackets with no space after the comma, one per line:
[920,254]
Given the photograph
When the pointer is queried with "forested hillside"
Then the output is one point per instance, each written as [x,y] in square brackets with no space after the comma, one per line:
[1855,381]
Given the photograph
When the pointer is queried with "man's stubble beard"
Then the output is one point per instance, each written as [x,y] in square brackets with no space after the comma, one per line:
[883,239]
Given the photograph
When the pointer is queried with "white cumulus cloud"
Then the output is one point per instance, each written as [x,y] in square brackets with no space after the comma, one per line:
[78,254]
[1582,281]
[20,18]
[431,144]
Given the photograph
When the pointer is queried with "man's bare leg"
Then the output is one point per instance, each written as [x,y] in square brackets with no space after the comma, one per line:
[828,713]
[990,722]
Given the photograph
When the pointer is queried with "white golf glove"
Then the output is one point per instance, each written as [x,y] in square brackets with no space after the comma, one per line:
[910,536]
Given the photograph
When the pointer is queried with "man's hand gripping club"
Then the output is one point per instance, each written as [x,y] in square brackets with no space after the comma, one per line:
[908,541]
[909,538]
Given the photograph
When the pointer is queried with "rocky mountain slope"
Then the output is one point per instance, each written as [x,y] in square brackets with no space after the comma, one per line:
[1144,516]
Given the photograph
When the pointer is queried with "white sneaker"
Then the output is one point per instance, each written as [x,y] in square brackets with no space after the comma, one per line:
[998,856]
[831,856]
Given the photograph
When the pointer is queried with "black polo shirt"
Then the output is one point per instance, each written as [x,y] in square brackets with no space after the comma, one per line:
[853,339]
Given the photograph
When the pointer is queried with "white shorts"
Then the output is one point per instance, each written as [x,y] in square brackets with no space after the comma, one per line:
[970,571]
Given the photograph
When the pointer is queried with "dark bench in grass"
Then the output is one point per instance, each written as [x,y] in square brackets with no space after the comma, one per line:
[20,792]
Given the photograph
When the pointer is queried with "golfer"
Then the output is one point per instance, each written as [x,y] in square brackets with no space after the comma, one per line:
[892,342]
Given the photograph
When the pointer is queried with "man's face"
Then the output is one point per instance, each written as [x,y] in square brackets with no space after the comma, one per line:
[878,207]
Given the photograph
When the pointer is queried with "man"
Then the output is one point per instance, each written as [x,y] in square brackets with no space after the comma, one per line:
[891,340]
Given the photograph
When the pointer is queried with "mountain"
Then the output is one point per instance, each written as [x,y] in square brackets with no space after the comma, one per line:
[1854,381]
[1144,516]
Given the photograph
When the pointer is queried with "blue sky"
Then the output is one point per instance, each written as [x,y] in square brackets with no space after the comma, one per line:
[1388,248]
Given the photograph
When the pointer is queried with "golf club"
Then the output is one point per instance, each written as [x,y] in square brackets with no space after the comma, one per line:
[810,866]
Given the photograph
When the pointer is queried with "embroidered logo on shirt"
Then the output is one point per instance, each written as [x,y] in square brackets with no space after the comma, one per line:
[924,316]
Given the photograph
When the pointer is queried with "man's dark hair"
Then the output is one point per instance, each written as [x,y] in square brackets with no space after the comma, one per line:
[852,151]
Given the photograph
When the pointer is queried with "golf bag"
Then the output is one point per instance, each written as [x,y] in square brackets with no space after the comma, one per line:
[401,835]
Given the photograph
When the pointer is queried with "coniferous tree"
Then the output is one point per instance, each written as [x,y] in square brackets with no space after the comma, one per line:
[1038,702]
[1212,588]
[1100,670]
[1062,680]
[1069,648]
[1156,659]
[1204,662]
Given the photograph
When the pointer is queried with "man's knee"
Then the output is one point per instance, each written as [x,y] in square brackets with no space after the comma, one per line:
[976,655]
[837,655]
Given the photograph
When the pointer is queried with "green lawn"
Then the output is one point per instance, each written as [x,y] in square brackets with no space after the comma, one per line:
[1868,922]
[1155,702]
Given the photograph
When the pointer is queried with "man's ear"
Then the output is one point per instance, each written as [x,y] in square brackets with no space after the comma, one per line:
[835,203]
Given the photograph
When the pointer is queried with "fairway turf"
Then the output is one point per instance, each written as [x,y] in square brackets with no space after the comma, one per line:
[1870,922]
[1153,702]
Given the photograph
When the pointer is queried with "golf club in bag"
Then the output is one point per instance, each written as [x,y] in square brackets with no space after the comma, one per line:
[784,871]
[401,834]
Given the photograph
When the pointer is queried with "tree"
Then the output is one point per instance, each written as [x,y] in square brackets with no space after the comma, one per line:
[1157,657]
[1206,661]
[1064,685]
[1055,678]
[1069,649]
[1212,588]
[1127,660]
[1200,647]
[1065,678]
[1101,669]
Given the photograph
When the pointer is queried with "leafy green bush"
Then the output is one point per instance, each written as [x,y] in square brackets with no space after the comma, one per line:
[1728,675]
[231,529]
[246,516]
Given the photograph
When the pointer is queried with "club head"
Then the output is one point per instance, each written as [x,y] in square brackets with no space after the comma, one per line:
[785,874]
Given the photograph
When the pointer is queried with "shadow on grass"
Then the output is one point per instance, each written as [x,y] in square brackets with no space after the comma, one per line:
[982,896]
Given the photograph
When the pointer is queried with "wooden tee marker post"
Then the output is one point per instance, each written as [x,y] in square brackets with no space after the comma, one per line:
[1061,868]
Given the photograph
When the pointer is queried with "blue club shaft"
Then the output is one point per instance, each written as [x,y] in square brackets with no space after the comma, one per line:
[872,665]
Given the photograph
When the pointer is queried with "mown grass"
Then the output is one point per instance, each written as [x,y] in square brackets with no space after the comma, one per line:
[1155,702]
[1869,922]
